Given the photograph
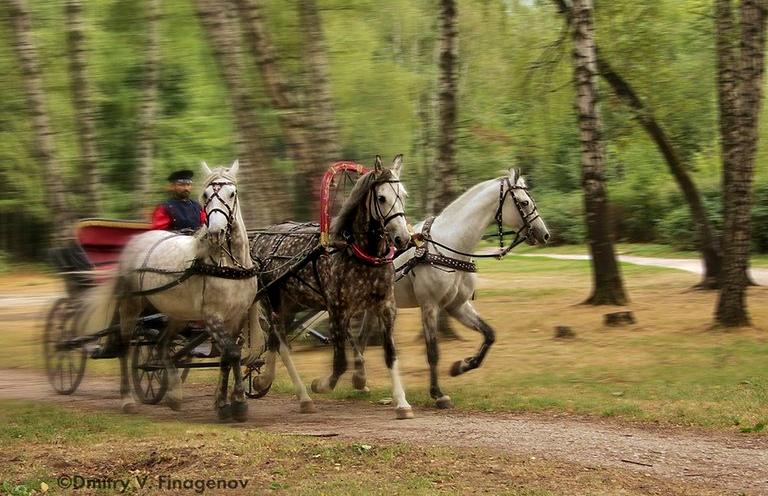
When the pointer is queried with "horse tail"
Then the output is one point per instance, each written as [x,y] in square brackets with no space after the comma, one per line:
[100,304]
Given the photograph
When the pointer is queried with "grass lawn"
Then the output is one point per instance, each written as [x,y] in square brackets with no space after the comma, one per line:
[670,367]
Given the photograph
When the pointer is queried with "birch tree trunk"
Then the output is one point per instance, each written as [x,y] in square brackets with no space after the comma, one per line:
[44,146]
[709,245]
[608,285]
[292,119]
[259,188]
[322,114]
[83,109]
[447,188]
[148,109]
[740,92]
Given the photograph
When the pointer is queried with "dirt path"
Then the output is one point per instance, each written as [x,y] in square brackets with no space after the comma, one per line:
[760,276]
[737,463]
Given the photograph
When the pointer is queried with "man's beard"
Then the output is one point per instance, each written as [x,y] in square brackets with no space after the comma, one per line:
[182,195]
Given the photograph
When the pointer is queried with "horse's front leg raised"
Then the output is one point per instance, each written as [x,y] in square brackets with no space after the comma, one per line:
[339,323]
[467,315]
[429,327]
[387,318]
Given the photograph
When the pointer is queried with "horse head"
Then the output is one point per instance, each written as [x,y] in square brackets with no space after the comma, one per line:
[219,200]
[521,213]
[375,207]
[386,201]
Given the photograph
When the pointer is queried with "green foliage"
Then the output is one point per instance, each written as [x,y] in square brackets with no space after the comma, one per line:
[759,223]
[678,229]
[515,103]
[563,213]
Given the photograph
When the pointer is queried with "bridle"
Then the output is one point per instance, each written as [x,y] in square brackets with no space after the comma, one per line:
[521,234]
[229,214]
[385,218]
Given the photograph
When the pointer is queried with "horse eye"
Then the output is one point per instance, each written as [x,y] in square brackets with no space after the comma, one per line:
[382,199]
[232,195]
[205,195]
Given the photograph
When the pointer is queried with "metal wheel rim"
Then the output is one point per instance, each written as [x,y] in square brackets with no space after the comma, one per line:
[65,367]
[150,385]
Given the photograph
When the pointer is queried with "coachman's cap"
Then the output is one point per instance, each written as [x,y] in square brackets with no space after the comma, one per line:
[181,176]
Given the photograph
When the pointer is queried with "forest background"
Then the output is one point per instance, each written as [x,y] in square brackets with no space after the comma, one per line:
[515,107]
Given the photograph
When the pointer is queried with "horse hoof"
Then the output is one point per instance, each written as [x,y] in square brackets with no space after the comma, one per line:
[224,412]
[130,408]
[319,387]
[456,368]
[240,411]
[358,382]
[175,405]
[404,413]
[444,402]
[307,407]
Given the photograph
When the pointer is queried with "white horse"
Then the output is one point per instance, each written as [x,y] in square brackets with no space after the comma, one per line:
[205,292]
[455,233]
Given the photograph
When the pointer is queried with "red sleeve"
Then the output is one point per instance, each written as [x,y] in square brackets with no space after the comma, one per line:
[160,218]
[203,217]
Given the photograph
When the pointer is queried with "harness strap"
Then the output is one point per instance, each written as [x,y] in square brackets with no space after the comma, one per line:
[422,255]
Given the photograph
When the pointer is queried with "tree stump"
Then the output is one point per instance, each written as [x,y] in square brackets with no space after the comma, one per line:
[617,319]
[564,332]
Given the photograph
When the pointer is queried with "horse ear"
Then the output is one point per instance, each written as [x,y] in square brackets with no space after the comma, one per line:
[397,165]
[377,167]
[206,169]
[518,175]
[234,168]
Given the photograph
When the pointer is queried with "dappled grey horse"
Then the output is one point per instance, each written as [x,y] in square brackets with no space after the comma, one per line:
[355,274]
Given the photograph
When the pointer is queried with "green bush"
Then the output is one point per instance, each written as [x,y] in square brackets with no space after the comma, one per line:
[677,228]
[564,215]
[760,218]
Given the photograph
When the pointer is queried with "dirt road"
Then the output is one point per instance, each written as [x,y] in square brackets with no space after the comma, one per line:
[733,463]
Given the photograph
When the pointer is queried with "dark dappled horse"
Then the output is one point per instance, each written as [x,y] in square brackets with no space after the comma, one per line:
[354,275]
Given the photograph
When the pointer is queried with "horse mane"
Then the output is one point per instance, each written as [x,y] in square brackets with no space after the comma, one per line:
[346,216]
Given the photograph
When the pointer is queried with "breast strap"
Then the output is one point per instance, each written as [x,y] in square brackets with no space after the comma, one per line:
[422,254]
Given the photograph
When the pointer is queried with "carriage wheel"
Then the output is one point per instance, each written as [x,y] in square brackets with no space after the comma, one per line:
[65,365]
[150,378]
[253,392]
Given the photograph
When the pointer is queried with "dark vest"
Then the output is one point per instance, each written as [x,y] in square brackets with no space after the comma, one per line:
[185,214]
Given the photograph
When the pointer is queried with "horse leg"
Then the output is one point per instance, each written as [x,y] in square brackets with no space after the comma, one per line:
[130,308]
[339,325]
[467,315]
[359,378]
[387,318]
[429,328]
[233,354]
[174,394]
[221,403]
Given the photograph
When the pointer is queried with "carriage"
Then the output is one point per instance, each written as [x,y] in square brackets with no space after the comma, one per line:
[85,262]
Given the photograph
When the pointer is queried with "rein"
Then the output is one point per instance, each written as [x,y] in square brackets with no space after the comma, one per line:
[422,254]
